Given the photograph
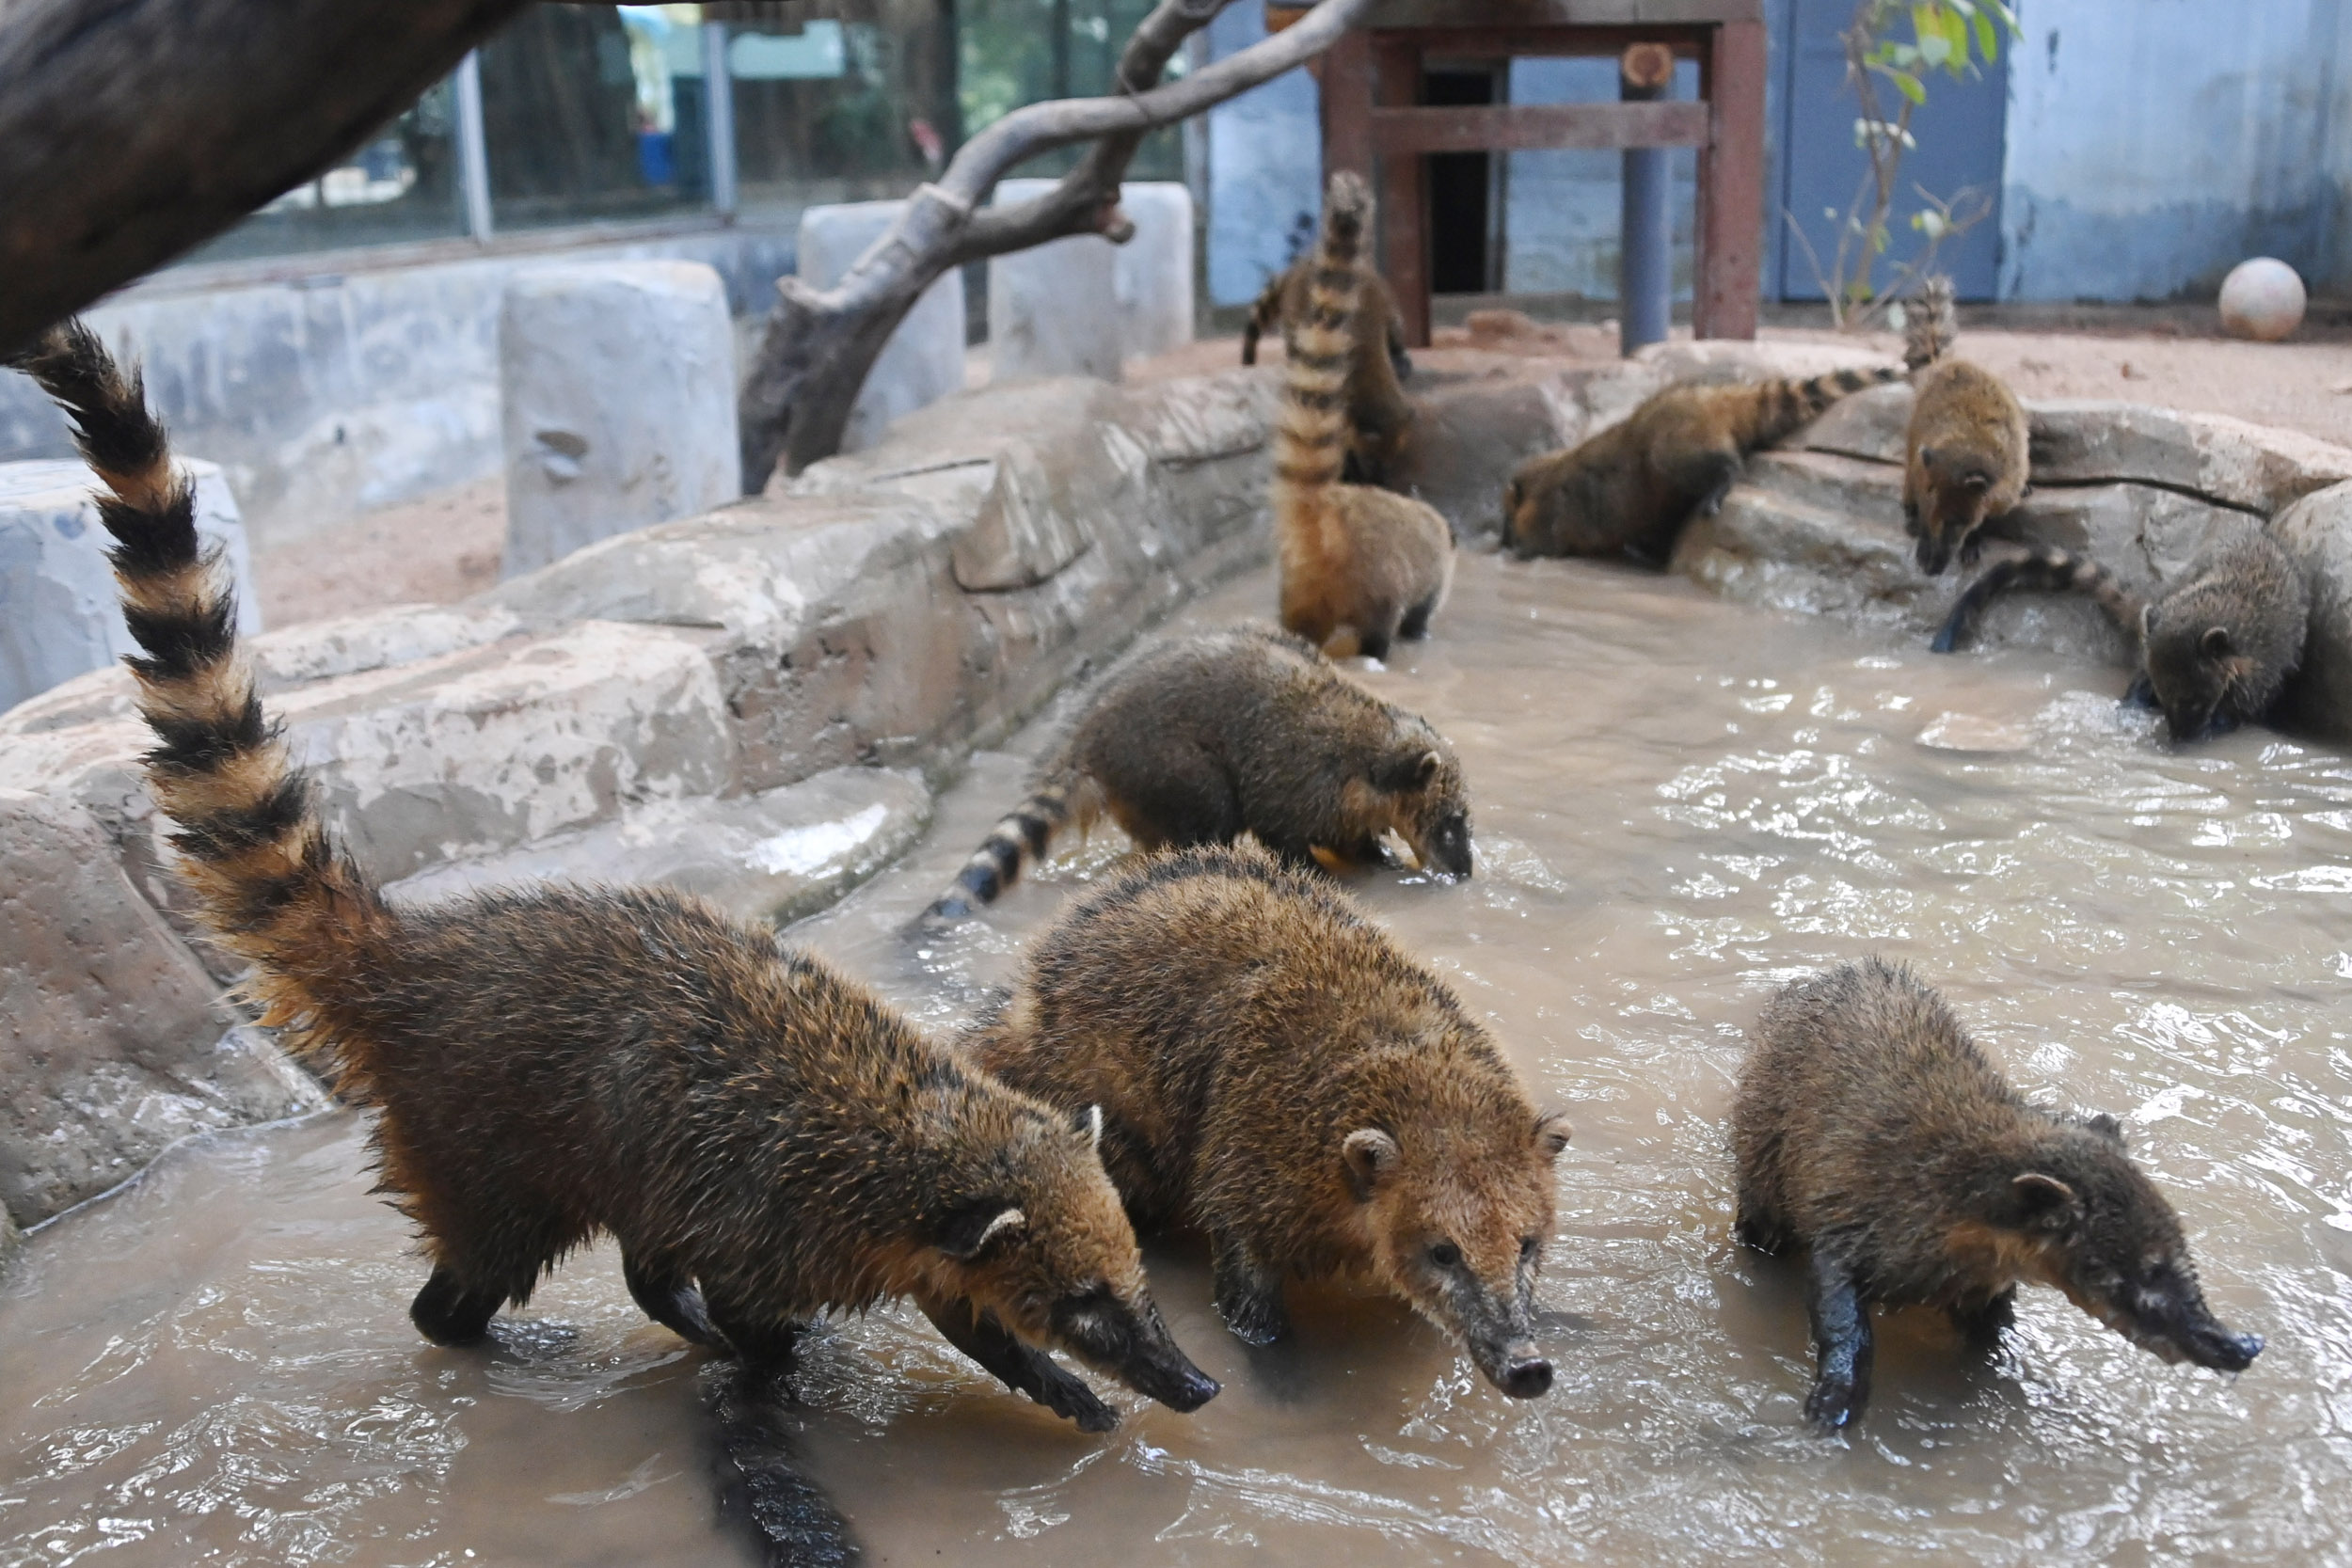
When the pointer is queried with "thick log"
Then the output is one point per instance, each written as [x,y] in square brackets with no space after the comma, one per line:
[132,129]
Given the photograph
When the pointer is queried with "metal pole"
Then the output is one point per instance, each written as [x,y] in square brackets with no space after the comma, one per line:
[1646,246]
[719,117]
[473,147]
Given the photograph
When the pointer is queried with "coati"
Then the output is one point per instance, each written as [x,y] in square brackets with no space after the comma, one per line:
[1360,566]
[1870,1130]
[763,1138]
[1204,737]
[1297,1087]
[1378,416]
[2216,647]
[1630,489]
[1964,454]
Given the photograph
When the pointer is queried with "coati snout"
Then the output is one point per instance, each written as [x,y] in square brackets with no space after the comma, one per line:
[1428,805]
[1957,504]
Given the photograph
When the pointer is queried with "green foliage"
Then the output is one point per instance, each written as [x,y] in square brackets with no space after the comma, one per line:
[1950,36]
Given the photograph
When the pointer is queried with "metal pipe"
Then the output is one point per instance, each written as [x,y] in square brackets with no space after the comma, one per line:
[1646,244]
[473,148]
[719,117]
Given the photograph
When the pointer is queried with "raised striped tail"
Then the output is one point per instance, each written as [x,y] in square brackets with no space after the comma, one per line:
[274,886]
[1931,323]
[2046,568]
[1781,406]
[1024,835]
[1311,432]
[1265,315]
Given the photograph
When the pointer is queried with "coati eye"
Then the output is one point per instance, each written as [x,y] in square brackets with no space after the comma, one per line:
[1446,1254]
[1527,1246]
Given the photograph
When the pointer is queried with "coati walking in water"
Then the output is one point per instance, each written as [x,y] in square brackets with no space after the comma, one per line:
[1870,1130]
[1204,737]
[1379,415]
[1299,1090]
[1964,454]
[1630,489]
[764,1139]
[2216,647]
[1360,566]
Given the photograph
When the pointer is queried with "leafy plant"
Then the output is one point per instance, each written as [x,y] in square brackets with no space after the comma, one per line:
[1956,36]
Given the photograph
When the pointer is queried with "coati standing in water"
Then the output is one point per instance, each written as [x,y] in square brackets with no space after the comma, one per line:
[2216,647]
[1870,1130]
[1204,737]
[764,1139]
[1630,489]
[1965,455]
[1360,566]
[1298,1089]
[1379,415]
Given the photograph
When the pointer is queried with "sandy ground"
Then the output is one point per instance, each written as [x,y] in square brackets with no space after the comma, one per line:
[446,546]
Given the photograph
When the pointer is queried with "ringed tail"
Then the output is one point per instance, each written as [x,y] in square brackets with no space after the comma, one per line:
[273,884]
[1783,405]
[1930,325]
[2049,569]
[1311,432]
[1022,837]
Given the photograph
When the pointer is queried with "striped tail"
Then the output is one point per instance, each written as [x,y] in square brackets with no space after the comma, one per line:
[1930,324]
[2049,569]
[1023,836]
[1266,316]
[1781,406]
[273,884]
[763,1488]
[1311,432]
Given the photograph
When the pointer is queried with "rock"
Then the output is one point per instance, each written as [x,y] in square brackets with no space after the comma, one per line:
[1471,428]
[772,857]
[1871,425]
[924,359]
[2317,532]
[2228,461]
[1152,273]
[111,1034]
[618,385]
[58,611]
[1053,310]
[1770,548]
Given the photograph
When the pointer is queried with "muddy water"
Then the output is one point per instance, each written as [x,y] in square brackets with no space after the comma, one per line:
[1680,804]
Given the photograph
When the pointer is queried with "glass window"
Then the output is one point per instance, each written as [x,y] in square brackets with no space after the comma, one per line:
[402,185]
[838,109]
[594,113]
[1021,51]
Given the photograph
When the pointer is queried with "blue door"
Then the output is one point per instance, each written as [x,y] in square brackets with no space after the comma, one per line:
[1960,137]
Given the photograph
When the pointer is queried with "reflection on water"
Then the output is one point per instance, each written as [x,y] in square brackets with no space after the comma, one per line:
[1680,804]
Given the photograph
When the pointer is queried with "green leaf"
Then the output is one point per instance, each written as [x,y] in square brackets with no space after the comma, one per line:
[1935,48]
[1909,86]
[1988,38]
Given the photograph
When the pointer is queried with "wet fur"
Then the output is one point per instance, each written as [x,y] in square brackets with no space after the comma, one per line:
[1204,737]
[1379,417]
[1628,490]
[1965,451]
[1360,566]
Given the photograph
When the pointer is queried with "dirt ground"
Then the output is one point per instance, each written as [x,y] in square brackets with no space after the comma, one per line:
[446,546]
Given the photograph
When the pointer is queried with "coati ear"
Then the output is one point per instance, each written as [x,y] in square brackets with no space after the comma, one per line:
[966,1234]
[1090,1125]
[1412,770]
[2105,1126]
[1552,1133]
[2043,1201]
[2215,644]
[1369,1154]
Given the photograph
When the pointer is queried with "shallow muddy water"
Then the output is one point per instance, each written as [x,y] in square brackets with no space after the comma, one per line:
[1680,804]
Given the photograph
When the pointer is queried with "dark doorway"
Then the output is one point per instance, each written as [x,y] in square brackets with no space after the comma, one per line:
[1465,207]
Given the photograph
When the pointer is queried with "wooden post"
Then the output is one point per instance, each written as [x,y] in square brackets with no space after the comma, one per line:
[1347,87]
[1731,183]
[1403,196]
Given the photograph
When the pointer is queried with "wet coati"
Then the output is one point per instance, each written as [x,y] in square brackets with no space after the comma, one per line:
[1379,415]
[1630,489]
[2216,647]
[1297,1087]
[1360,566]
[764,1139]
[1870,1130]
[1204,737]
[1965,455]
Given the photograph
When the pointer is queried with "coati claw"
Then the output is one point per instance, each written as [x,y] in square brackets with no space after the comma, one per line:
[1249,1297]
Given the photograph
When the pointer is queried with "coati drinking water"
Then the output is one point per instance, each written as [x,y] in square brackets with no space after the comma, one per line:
[1299,1090]
[1360,566]
[1870,1130]
[764,1139]
[1204,737]
[1965,451]
[2216,647]
[1630,489]
[1378,414]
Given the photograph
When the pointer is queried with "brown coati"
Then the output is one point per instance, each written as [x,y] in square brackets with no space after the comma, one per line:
[1870,1130]
[1273,1070]
[1360,566]
[1379,415]
[764,1139]
[1965,455]
[2216,647]
[1204,737]
[1630,489]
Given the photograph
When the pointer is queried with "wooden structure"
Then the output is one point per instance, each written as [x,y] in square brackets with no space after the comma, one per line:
[1372,114]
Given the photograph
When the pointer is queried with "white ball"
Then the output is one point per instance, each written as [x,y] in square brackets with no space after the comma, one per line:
[2262,299]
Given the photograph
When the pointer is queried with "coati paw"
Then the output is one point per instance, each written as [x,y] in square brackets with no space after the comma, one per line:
[1250,1302]
[1832,1405]
[447,1314]
[1065,1396]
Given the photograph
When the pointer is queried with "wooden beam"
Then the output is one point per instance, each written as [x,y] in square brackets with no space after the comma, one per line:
[1535,127]
[1391,14]
[1731,185]
[1404,194]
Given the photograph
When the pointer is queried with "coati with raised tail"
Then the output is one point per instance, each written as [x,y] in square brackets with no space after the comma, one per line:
[1628,490]
[1379,415]
[1361,568]
[1204,737]
[1292,1084]
[2216,646]
[1870,1130]
[764,1139]
[1964,454]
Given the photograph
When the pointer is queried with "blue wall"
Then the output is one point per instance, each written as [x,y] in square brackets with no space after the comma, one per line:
[1266,167]
[1561,218]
